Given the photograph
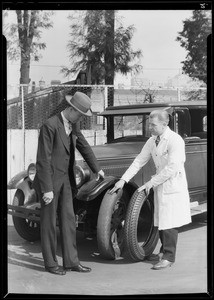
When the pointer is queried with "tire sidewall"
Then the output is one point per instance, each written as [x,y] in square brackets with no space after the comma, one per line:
[28,233]
[104,224]
[133,250]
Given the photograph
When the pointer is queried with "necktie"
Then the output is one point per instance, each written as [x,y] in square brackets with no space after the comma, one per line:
[157,140]
[69,133]
[71,137]
[70,127]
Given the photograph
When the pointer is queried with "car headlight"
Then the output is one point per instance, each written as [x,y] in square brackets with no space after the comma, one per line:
[82,175]
[31,171]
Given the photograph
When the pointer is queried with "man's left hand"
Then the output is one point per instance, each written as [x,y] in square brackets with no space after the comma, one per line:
[147,187]
[100,175]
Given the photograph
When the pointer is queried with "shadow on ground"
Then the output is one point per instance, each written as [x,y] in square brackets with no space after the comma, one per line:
[28,254]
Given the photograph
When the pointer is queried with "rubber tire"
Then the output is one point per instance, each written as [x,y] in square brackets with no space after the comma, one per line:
[27,229]
[138,202]
[105,221]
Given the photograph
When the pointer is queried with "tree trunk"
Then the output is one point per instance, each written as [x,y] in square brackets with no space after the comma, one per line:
[109,54]
[25,72]
[26,22]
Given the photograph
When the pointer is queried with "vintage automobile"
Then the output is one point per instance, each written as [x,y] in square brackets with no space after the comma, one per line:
[122,222]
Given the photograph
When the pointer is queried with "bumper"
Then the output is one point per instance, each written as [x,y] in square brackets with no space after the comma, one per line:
[32,213]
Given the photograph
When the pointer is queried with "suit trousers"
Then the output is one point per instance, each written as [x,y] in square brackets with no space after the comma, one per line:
[168,238]
[61,205]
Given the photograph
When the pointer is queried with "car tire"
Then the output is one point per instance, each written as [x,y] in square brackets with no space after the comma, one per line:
[27,229]
[110,224]
[140,235]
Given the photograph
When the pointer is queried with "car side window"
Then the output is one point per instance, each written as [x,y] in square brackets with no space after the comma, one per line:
[131,126]
[182,121]
[191,123]
[198,123]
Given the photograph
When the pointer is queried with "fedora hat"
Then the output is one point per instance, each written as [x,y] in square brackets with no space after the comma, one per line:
[80,102]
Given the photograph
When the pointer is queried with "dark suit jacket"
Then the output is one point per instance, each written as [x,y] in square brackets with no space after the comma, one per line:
[55,158]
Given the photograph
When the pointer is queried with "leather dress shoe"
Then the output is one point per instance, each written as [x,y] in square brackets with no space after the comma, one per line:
[79,268]
[155,257]
[164,263]
[56,270]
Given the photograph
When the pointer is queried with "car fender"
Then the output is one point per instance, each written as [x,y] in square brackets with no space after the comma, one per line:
[30,196]
[92,189]
[16,180]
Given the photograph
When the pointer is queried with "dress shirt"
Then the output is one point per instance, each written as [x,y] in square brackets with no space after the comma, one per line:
[67,125]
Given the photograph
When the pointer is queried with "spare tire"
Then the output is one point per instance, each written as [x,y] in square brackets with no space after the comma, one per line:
[110,224]
[140,235]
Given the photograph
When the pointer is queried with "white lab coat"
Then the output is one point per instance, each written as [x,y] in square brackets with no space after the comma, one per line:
[171,196]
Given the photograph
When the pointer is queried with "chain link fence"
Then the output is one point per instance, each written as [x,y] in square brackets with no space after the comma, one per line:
[32,110]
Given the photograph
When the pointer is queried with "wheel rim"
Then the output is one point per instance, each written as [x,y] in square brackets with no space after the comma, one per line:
[31,224]
[117,227]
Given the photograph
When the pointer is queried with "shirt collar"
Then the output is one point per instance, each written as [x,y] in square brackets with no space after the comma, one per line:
[64,119]
[164,135]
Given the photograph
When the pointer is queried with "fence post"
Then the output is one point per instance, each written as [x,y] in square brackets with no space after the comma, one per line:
[179,94]
[110,96]
[95,133]
[23,124]
[105,97]
[105,105]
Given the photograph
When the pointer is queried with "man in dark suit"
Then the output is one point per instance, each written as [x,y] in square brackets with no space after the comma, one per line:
[55,179]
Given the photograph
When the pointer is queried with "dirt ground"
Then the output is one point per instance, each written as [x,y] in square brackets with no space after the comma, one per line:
[26,274]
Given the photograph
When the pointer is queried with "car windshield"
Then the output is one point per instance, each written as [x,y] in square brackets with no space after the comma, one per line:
[131,126]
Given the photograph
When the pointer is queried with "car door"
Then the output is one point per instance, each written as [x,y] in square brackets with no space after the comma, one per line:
[191,125]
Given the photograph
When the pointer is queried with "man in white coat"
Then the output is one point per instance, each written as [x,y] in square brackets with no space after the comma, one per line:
[171,197]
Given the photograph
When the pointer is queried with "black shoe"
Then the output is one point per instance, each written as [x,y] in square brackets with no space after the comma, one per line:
[79,268]
[56,270]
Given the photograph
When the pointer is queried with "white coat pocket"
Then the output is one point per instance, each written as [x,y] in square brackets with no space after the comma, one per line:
[173,185]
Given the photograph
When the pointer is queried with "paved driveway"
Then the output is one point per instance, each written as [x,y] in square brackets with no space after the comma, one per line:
[26,273]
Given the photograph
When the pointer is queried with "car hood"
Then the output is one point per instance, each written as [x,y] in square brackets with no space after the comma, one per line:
[116,150]
[108,151]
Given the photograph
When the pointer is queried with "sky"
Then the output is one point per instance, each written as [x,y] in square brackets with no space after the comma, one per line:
[155,34]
